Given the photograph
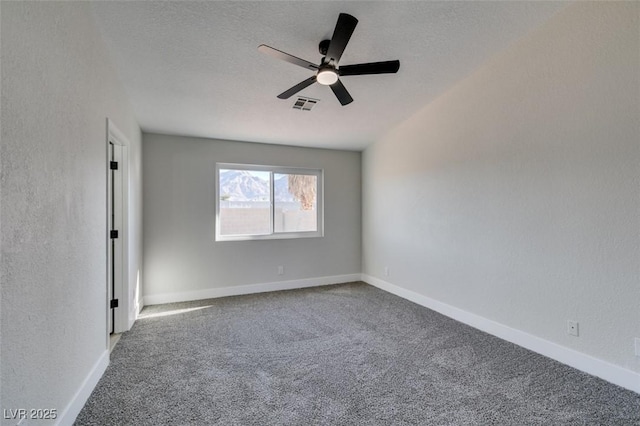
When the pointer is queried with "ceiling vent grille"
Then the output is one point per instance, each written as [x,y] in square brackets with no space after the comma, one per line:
[305,104]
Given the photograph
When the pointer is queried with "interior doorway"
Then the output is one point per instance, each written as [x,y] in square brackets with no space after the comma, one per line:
[117,232]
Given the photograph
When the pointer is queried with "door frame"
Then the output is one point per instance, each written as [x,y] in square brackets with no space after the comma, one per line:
[121,270]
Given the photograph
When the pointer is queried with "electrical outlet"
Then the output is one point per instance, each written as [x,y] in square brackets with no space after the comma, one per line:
[386,271]
[280,270]
[637,341]
[572,328]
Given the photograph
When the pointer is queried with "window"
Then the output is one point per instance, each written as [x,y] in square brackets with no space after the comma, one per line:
[267,202]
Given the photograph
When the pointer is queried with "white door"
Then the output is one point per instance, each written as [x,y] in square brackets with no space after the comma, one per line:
[119,307]
[116,253]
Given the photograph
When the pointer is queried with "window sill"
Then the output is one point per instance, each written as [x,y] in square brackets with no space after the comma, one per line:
[279,236]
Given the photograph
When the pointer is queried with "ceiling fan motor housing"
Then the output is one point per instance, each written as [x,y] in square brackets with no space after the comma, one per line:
[323,47]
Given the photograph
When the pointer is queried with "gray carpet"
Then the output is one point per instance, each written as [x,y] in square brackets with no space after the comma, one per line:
[347,354]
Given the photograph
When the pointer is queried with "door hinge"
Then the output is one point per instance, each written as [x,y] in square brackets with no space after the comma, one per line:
[113,165]
[114,303]
[114,233]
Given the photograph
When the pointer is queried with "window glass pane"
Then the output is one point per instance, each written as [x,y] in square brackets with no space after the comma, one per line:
[295,203]
[244,202]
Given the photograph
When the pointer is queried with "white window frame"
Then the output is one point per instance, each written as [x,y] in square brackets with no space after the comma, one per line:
[319,173]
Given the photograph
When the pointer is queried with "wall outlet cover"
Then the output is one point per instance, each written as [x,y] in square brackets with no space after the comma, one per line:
[572,328]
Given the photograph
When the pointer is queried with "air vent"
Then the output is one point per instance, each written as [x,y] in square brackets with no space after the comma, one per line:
[305,104]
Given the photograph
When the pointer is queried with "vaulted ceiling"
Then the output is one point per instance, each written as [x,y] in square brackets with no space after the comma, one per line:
[193,68]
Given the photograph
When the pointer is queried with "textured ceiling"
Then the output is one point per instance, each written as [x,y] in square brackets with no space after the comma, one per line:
[193,68]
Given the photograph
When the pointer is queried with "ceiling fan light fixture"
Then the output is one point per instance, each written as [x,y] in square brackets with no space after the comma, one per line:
[327,77]
[329,70]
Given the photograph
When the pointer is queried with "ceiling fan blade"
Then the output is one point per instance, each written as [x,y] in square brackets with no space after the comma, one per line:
[386,67]
[341,35]
[341,93]
[298,87]
[279,54]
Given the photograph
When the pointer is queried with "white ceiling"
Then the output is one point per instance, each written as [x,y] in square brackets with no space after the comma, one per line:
[193,68]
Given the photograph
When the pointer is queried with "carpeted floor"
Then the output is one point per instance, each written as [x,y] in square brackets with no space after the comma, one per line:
[347,354]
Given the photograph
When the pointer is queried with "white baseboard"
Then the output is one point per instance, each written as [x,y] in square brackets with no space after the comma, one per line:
[583,362]
[212,293]
[68,416]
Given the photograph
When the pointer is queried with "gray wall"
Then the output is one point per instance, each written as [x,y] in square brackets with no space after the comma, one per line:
[514,196]
[58,88]
[180,254]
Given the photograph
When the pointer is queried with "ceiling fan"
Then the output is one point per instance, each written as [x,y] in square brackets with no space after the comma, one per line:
[329,71]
